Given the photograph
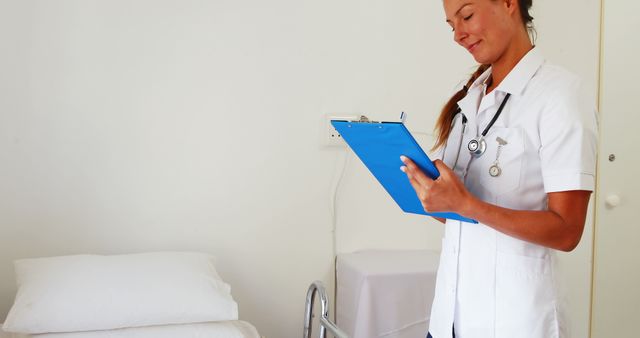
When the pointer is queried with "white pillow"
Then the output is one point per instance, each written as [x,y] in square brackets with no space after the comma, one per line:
[92,292]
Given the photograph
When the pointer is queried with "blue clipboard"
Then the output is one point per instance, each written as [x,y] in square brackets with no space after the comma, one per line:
[379,146]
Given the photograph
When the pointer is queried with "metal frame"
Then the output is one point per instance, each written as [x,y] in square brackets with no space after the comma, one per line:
[325,323]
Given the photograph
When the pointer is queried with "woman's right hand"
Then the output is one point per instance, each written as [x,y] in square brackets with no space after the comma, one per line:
[444,194]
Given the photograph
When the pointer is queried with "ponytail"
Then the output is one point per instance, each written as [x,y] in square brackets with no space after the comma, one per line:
[443,125]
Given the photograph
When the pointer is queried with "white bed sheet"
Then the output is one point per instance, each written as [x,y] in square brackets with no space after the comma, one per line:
[229,329]
[385,293]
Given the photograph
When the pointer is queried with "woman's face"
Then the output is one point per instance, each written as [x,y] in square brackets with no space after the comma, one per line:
[483,27]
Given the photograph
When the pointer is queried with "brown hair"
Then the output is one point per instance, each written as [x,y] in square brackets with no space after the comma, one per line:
[445,120]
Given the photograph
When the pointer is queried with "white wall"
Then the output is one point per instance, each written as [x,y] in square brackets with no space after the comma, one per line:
[130,126]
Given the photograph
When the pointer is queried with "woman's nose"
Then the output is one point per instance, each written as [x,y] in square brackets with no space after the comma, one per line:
[459,34]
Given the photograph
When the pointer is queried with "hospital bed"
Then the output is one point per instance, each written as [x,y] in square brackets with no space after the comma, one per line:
[150,295]
[228,329]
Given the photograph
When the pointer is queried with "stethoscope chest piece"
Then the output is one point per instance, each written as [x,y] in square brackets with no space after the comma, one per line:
[477,146]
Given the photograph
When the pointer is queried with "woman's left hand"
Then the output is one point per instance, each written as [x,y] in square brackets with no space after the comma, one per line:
[444,194]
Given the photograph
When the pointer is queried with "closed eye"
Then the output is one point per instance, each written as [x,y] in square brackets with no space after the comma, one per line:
[466,18]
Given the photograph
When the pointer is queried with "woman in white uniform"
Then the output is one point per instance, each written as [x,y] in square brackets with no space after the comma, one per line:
[518,150]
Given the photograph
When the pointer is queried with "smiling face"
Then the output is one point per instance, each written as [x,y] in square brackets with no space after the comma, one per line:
[486,28]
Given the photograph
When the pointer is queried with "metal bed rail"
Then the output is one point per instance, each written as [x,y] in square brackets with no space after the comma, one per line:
[325,323]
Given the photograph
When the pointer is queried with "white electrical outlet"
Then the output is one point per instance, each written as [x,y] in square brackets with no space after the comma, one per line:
[331,135]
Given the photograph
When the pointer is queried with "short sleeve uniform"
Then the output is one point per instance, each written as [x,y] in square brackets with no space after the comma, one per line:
[490,284]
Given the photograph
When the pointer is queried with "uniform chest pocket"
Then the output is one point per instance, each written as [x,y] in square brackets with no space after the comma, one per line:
[503,161]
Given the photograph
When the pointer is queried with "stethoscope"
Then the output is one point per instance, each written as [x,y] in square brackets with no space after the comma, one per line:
[478,145]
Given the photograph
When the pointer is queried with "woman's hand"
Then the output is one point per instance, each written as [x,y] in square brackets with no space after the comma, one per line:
[444,194]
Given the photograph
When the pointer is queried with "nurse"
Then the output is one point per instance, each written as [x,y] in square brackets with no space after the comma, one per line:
[518,150]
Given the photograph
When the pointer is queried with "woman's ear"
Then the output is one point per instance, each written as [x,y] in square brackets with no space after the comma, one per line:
[512,6]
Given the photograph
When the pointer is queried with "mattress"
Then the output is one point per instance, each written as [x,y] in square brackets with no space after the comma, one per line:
[229,329]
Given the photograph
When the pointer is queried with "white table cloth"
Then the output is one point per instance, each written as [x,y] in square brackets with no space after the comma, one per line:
[385,293]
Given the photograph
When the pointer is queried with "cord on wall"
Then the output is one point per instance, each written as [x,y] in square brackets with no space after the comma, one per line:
[335,187]
[333,197]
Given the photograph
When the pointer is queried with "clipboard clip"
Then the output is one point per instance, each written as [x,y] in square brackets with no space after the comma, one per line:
[365,119]
[358,119]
